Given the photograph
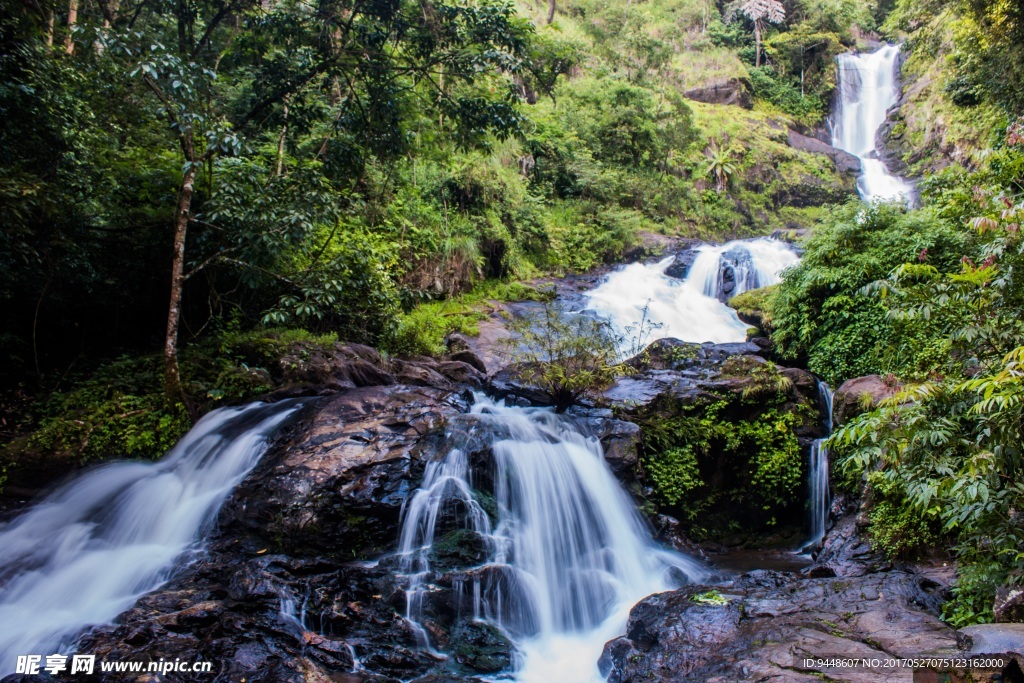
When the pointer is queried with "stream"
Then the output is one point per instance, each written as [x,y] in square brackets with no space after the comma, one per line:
[567,552]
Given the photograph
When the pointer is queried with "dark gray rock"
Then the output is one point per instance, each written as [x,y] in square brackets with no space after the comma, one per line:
[844,552]
[340,486]
[733,91]
[770,623]
[680,265]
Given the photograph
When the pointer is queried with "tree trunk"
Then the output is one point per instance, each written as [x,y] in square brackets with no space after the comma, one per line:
[49,28]
[281,140]
[551,11]
[757,44]
[172,373]
[69,41]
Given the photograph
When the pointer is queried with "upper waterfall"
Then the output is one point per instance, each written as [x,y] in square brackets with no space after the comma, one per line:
[867,90]
[89,550]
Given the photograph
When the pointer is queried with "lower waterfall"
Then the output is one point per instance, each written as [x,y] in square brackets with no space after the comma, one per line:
[89,550]
[568,552]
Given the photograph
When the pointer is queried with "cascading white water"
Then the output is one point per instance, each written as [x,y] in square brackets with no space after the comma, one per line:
[691,310]
[569,554]
[89,550]
[818,474]
[867,90]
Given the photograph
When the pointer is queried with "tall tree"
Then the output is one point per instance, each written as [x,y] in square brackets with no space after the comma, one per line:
[759,12]
[287,54]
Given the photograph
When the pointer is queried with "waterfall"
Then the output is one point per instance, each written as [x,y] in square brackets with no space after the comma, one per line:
[818,473]
[567,553]
[692,310]
[867,90]
[89,550]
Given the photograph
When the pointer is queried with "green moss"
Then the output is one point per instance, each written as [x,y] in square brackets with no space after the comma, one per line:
[423,329]
[754,306]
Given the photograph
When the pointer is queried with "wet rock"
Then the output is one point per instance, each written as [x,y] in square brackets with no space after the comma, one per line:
[669,531]
[420,374]
[1009,604]
[859,395]
[462,372]
[342,365]
[458,548]
[506,384]
[481,647]
[770,624]
[681,264]
[618,438]
[339,487]
[733,91]
[669,636]
[846,553]
[469,357]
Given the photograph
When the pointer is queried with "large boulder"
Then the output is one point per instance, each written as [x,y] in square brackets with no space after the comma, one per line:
[732,91]
[770,626]
[845,552]
[618,438]
[859,395]
[337,366]
[844,161]
[339,487]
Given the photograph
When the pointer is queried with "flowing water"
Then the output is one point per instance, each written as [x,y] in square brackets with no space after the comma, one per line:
[569,553]
[692,310]
[867,90]
[89,550]
[818,475]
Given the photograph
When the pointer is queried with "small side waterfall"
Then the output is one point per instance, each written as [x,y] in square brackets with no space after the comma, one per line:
[567,553]
[89,550]
[692,310]
[818,482]
[867,90]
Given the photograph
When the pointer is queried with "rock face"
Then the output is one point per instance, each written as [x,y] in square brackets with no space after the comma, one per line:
[858,395]
[844,552]
[681,264]
[733,91]
[771,622]
[844,161]
[339,487]
[1009,604]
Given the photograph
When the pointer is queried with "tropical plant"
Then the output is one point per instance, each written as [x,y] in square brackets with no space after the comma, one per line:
[721,164]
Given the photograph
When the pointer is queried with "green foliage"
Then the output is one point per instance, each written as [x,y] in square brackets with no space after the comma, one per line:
[119,412]
[897,528]
[422,330]
[725,463]
[755,304]
[785,94]
[673,473]
[564,355]
[936,459]
[818,312]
